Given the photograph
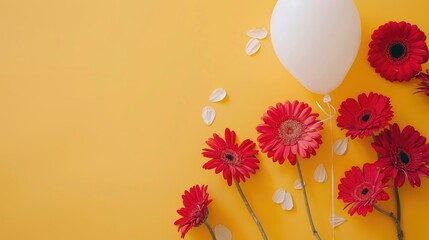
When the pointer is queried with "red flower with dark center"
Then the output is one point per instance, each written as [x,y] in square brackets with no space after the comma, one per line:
[194,212]
[362,189]
[235,161]
[424,82]
[364,116]
[397,51]
[402,154]
[289,129]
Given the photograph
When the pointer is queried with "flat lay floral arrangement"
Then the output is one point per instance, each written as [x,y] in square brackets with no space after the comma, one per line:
[289,132]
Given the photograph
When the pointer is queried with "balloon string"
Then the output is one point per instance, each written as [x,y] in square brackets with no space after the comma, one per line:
[330,113]
[327,113]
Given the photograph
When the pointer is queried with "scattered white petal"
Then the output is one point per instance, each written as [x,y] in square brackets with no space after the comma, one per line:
[337,221]
[208,115]
[258,33]
[340,146]
[222,232]
[279,196]
[218,95]
[298,184]
[252,46]
[287,204]
[320,174]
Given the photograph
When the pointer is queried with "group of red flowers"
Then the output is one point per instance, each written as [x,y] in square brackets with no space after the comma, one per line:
[401,154]
[288,130]
[291,129]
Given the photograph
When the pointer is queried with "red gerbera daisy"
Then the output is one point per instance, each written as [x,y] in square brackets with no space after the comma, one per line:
[402,154]
[235,161]
[397,51]
[289,129]
[194,212]
[364,116]
[362,189]
[424,82]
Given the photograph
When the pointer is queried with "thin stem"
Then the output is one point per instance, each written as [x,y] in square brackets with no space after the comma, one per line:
[332,167]
[373,138]
[398,204]
[264,236]
[210,230]
[397,223]
[307,206]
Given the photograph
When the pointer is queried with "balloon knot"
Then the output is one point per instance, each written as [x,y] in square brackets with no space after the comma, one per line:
[327,98]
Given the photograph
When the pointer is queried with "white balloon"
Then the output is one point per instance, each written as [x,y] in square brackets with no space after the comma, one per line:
[316,40]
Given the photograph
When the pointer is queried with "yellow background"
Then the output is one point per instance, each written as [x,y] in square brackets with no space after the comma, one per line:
[101,129]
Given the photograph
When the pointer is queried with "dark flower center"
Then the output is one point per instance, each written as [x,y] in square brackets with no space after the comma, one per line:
[403,156]
[290,131]
[397,50]
[365,117]
[229,157]
[363,191]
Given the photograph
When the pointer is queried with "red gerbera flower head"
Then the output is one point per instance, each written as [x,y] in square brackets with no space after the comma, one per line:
[398,50]
[424,82]
[195,211]
[362,189]
[235,161]
[402,154]
[289,129]
[365,115]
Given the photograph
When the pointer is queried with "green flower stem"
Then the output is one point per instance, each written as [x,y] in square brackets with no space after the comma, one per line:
[307,206]
[397,223]
[264,236]
[210,230]
[398,204]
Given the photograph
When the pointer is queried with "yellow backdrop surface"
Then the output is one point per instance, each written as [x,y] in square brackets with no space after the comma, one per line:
[101,129]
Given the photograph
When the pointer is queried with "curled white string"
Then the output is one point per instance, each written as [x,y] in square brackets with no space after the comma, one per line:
[331,109]
[330,113]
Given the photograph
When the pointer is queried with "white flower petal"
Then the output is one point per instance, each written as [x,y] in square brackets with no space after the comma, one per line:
[208,115]
[222,232]
[258,33]
[340,146]
[279,196]
[337,221]
[287,204]
[320,174]
[252,46]
[297,184]
[217,95]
